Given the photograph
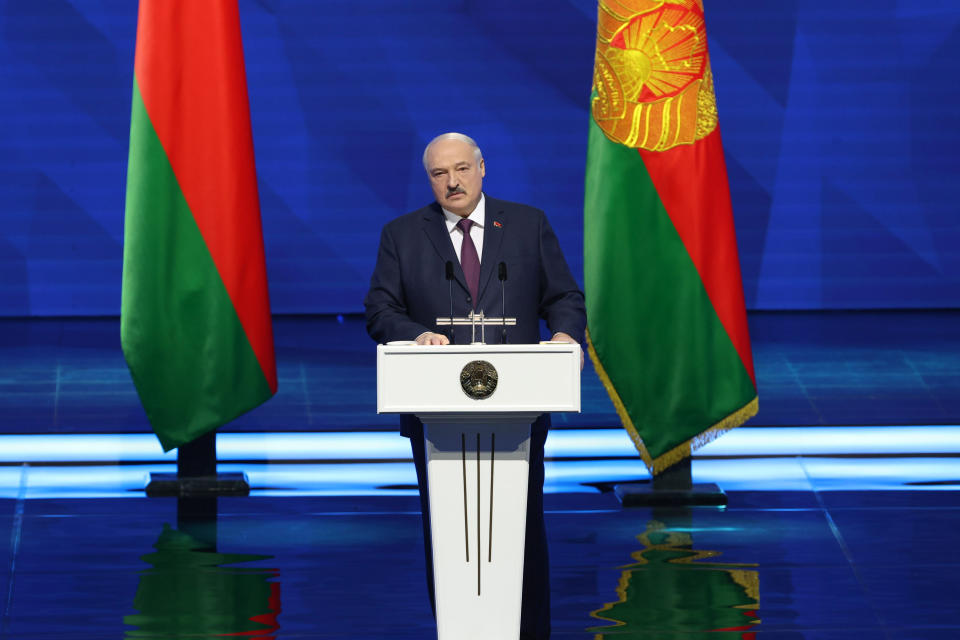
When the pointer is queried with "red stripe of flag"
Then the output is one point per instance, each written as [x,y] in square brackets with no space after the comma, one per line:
[702,213]
[190,70]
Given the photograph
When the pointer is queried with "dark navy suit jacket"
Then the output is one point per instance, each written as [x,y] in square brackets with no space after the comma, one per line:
[409,290]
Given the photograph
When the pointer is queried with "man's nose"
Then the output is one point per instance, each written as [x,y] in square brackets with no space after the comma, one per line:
[452,180]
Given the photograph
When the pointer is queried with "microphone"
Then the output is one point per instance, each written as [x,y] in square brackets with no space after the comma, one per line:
[502,275]
[449,276]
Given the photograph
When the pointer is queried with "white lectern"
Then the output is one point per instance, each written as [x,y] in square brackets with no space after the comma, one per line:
[477,403]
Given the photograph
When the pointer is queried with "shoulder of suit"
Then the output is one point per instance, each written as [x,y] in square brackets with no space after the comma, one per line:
[494,205]
[413,218]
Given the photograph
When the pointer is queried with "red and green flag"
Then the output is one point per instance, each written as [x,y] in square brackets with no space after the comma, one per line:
[667,321]
[195,312]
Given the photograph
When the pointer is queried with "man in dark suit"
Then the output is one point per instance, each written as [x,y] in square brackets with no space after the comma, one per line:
[409,291]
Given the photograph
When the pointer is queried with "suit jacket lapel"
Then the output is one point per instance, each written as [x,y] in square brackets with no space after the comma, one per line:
[492,239]
[435,226]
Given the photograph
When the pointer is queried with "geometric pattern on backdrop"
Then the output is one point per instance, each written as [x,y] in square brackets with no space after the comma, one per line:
[840,123]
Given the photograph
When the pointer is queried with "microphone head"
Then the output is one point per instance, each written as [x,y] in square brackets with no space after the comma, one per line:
[502,271]
[449,270]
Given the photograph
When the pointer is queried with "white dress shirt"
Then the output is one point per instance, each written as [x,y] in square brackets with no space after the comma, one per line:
[476,234]
[476,231]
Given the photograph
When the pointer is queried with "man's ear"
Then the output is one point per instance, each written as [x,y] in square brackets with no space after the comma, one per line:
[483,169]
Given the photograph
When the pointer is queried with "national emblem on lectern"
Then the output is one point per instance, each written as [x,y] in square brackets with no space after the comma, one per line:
[478,379]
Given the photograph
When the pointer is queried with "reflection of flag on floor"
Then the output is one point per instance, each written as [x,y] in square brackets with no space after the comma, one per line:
[671,592]
[195,313]
[193,592]
[667,321]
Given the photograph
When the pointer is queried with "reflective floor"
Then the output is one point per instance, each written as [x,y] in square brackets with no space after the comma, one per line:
[829,532]
[827,368]
[786,564]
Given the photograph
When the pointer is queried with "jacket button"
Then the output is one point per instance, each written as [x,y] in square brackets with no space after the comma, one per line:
[469,299]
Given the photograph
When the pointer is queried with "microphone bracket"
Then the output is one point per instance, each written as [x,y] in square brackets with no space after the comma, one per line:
[474,320]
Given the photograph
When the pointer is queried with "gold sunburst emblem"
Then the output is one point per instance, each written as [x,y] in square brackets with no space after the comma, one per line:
[652,83]
[478,379]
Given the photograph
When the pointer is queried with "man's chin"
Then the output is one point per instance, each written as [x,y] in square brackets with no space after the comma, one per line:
[457,205]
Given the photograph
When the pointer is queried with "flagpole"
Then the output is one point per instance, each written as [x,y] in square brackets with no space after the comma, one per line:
[198,458]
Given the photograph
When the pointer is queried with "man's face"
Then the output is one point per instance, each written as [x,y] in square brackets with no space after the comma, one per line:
[455,176]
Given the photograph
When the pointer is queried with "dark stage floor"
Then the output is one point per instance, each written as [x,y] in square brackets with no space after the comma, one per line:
[837,368]
[815,566]
[829,533]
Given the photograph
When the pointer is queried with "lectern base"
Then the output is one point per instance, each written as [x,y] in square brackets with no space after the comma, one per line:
[222,484]
[477,475]
[646,495]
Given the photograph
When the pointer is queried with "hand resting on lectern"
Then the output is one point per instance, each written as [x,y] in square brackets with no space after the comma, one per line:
[429,337]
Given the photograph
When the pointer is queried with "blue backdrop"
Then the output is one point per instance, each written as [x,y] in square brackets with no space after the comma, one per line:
[840,120]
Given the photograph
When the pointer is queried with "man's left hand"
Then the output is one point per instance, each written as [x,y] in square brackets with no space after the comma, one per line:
[560,336]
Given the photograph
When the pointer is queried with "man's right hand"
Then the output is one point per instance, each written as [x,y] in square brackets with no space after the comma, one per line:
[428,337]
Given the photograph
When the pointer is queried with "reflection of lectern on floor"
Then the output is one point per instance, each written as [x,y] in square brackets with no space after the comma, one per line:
[477,403]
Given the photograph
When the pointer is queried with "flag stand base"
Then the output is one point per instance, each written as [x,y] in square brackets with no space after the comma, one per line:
[635,494]
[196,475]
[165,485]
[673,487]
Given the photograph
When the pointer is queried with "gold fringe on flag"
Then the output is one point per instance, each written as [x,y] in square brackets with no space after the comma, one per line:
[684,450]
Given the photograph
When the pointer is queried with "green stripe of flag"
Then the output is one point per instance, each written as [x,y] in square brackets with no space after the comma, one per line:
[190,359]
[665,357]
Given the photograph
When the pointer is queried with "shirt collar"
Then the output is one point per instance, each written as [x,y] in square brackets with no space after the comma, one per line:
[478,216]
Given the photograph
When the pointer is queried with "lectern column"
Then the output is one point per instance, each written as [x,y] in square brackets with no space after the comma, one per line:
[477,473]
[477,404]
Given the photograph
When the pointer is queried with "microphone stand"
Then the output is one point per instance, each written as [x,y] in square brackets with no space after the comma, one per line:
[449,274]
[502,275]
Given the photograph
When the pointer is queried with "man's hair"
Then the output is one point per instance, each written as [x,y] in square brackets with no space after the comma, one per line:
[477,155]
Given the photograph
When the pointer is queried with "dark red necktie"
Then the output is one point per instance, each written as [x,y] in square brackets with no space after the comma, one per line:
[469,259]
